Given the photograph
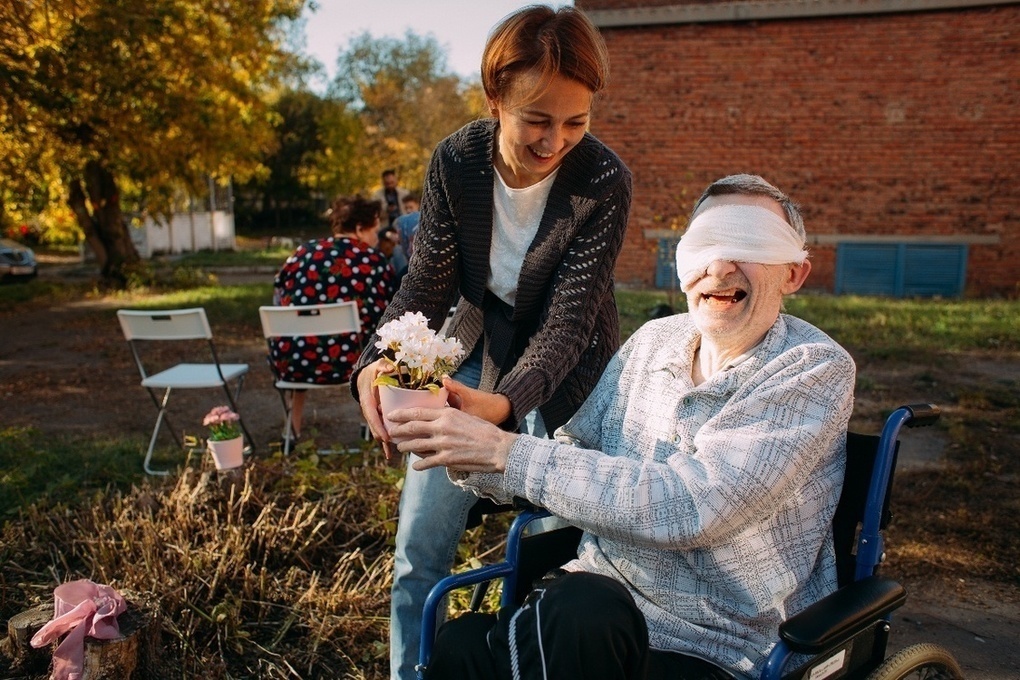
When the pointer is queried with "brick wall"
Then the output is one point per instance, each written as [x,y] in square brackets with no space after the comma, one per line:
[893,125]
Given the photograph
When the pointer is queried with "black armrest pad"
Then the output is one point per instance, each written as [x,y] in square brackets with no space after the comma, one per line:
[842,614]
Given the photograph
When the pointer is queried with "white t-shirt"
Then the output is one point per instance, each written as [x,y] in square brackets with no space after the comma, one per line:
[516,214]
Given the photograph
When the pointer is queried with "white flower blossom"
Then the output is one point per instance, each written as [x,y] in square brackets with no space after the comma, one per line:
[420,358]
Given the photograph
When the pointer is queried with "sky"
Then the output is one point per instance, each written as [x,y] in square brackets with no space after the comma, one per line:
[459,26]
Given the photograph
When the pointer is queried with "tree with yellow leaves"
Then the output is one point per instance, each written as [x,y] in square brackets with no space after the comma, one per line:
[161,94]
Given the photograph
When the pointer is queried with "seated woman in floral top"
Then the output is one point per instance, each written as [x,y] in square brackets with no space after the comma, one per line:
[346,266]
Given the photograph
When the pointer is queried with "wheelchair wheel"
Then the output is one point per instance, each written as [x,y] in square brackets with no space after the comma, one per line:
[919,662]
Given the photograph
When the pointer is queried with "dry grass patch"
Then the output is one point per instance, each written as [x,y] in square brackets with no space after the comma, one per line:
[284,572]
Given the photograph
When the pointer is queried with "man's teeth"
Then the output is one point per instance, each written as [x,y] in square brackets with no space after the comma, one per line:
[540,154]
[731,297]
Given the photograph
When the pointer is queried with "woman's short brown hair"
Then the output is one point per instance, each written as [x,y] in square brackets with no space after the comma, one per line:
[349,212]
[539,38]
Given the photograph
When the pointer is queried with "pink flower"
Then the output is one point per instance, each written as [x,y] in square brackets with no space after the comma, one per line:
[222,423]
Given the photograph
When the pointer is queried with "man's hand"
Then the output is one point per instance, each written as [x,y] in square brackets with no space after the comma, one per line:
[451,438]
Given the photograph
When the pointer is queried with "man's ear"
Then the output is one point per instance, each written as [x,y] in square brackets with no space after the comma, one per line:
[796,276]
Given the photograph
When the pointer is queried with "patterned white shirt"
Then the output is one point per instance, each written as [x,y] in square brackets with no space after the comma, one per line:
[711,503]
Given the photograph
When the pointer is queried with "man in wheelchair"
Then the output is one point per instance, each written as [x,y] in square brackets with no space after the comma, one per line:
[704,470]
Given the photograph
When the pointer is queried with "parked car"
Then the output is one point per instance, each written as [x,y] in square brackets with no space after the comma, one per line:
[17,262]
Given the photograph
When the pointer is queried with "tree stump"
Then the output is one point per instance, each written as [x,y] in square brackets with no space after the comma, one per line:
[132,656]
[24,660]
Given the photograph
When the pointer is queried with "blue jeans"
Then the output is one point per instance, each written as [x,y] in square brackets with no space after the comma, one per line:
[431,520]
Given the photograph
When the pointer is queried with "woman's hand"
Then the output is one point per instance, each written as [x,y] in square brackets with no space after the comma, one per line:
[451,438]
[368,397]
[494,408]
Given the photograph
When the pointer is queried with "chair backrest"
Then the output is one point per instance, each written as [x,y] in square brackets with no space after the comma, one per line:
[336,318]
[165,324]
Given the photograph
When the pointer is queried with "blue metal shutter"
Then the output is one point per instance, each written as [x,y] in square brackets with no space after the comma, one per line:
[934,270]
[866,268]
[665,263]
[900,269]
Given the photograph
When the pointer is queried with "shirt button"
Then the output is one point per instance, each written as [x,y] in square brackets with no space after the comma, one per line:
[688,401]
[676,439]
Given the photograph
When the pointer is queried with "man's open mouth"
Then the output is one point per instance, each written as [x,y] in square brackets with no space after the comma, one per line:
[725,298]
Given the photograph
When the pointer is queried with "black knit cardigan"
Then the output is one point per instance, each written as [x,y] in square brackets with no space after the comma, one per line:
[549,350]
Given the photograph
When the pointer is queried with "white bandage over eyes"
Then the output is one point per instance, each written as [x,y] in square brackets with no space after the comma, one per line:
[735,233]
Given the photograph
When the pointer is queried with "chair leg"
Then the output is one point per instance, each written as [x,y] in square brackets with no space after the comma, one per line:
[286,427]
[286,421]
[232,398]
[155,434]
[161,406]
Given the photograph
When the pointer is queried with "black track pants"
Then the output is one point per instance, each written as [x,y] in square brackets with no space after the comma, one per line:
[577,625]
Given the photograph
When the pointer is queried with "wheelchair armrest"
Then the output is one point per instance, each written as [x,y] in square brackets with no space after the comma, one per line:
[842,615]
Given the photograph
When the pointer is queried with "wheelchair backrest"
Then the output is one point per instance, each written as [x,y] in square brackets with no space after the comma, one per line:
[861,453]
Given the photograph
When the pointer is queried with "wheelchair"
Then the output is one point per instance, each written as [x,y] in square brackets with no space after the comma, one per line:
[844,635]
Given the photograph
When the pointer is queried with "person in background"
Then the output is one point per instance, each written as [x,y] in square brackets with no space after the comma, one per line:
[704,469]
[345,266]
[391,196]
[389,244]
[523,216]
[407,225]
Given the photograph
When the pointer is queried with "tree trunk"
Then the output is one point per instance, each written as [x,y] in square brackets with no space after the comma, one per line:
[95,201]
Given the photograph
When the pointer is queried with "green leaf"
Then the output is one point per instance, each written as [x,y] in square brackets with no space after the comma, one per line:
[386,379]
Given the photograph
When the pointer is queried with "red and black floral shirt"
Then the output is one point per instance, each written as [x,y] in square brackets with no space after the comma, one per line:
[320,272]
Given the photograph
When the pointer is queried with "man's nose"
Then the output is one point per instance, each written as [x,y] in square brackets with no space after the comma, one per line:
[720,269]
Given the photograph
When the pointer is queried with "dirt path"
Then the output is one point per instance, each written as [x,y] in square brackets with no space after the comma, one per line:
[69,370]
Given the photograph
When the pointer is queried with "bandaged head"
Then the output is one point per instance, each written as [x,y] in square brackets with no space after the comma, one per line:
[736,233]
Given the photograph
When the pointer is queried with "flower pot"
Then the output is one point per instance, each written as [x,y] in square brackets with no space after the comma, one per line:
[392,398]
[227,454]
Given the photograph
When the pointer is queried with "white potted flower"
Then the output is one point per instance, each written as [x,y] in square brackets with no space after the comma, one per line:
[225,442]
[420,359]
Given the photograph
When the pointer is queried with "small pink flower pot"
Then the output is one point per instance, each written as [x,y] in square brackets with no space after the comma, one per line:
[227,454]
[392,398]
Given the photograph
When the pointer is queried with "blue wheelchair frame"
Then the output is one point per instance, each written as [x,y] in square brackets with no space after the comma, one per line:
[827,631]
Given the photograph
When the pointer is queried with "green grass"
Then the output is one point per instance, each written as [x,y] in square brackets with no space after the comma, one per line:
[262,257]
[42,293]
[873,327]
[884,327]
[231,305]
[881,327]
[36,468]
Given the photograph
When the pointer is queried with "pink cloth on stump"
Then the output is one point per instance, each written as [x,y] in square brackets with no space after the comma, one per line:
[80,608]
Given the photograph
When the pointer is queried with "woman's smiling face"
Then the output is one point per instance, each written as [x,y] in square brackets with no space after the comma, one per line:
[535,137]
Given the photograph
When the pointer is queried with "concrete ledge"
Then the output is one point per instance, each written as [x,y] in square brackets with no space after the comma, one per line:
[833,239]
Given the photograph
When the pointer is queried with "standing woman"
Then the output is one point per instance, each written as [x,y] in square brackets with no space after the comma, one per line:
[522,219]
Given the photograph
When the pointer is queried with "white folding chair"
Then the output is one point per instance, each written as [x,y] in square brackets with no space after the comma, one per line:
[338,318]
[180,326]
